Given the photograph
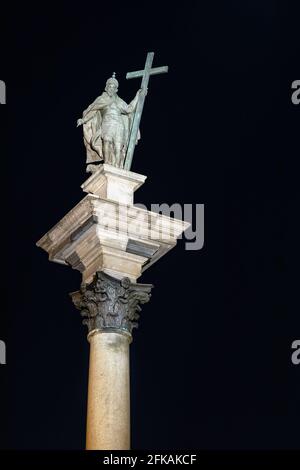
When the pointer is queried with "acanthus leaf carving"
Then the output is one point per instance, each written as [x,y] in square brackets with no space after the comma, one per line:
[111,303]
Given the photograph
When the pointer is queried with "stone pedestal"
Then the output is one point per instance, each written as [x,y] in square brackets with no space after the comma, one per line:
[116,184]
[111,242]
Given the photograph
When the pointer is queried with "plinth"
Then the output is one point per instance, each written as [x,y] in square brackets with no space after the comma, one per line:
[111,242]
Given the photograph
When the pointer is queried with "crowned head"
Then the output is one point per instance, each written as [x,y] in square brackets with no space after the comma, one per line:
[112,85]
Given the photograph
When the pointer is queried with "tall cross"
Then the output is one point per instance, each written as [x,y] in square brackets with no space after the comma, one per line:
[145,74]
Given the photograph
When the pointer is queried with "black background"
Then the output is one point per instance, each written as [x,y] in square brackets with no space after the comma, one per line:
[210,362]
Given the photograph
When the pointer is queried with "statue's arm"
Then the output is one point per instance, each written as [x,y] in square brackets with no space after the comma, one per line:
[89,113]
[86,116]
[130,108]
[98,104]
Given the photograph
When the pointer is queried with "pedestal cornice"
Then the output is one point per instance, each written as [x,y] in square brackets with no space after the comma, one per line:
[106,232]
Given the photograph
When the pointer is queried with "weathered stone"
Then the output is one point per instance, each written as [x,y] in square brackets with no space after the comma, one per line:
[109,303]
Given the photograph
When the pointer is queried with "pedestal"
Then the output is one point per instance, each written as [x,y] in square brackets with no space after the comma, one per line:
[112,183]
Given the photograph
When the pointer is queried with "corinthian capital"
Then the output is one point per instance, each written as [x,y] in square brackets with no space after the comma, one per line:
[109,303]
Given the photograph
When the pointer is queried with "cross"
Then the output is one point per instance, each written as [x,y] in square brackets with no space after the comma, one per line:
[139,108]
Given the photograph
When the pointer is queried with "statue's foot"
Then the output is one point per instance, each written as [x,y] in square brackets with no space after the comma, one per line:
[91,168]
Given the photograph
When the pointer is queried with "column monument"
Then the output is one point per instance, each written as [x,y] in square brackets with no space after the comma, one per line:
[111,242]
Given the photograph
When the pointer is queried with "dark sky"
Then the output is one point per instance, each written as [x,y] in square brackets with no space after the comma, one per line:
[210,362]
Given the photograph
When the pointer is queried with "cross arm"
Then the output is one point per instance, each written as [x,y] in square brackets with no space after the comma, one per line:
[154,71]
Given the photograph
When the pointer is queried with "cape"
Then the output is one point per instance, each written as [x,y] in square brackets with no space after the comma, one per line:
[92,128]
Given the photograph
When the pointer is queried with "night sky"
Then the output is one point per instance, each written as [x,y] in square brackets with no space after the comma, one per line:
[211,361]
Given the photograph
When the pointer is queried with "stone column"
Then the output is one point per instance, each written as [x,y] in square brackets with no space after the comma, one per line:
[111,242]
[108,409]
[110,308]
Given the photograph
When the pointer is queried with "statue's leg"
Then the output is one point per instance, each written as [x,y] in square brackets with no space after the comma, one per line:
[112,154]
[118,154]
[122,157]
[107,151]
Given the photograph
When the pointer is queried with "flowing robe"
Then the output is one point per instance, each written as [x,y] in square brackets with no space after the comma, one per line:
[107,118]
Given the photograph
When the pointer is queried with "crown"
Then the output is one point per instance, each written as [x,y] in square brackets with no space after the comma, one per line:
[113,80]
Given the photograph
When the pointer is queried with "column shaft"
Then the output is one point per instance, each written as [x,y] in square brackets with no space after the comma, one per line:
[108,411]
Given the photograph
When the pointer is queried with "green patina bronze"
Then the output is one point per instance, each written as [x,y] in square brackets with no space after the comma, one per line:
[145,74]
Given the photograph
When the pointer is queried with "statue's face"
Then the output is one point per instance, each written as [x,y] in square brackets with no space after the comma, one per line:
[111,89]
